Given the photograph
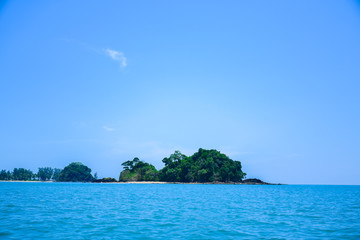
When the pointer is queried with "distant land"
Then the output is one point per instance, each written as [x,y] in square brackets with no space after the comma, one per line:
[203,167]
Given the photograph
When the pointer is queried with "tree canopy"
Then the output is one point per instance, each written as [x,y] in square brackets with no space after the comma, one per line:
[6,175]
[75,172]
[202,166]
[45,173]
[137,170]
[23,174]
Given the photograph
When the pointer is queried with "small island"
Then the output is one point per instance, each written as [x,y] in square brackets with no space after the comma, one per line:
[204,167]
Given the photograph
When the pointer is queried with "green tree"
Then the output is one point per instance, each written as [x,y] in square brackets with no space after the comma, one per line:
[45,173]
[23,174]
[137,170]
[174,159]
[173,171]
[75,172]
[56,174]
[128,165]
[202,166]
[5,175]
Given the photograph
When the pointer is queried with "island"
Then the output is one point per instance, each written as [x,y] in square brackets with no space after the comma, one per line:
[203,167]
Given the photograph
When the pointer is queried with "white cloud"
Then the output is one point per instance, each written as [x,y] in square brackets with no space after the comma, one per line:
[109,129]
[116,56]
[113,54]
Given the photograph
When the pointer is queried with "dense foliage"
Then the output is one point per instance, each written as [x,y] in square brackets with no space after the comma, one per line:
[5,175]
[75,172]
[56,174]
[22,174]
[45,173]
[202,166]
[137,170]
[105,180]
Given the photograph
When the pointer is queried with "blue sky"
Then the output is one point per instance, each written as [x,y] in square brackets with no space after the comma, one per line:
[274,84]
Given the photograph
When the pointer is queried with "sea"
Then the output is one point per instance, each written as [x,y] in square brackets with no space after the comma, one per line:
[178,211]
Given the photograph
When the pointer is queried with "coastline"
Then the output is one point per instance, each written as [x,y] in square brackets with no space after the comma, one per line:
[207,183]
[31,181]
[154,182]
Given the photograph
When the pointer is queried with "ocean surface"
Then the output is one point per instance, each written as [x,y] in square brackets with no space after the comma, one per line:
[178,211]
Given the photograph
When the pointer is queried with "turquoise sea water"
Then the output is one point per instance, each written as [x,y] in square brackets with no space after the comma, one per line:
[177,211]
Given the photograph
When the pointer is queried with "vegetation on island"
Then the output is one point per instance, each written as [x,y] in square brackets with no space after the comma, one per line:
[76,172]
[203,166]
[137,170]
[22,174]
[105,180]
[48,173]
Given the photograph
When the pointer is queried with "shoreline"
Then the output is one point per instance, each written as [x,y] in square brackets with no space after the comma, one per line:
[207,183]
[31,181]
[151,182]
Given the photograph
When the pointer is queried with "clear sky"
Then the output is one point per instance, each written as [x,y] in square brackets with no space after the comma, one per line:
[274,84]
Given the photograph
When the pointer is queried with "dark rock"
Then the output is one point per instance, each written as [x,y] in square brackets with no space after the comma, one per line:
[254,181]
[105,180]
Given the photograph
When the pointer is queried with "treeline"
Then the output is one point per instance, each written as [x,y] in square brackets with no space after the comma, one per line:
[137,170]
[22,174]
[74,172]
[202,166]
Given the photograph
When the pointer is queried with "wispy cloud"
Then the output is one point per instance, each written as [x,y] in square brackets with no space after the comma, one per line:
[113,54]
[116,56]
[109,129]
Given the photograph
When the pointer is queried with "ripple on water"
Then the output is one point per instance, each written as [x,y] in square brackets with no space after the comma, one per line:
[145,211]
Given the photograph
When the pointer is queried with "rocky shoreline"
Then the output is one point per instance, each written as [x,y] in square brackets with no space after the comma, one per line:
[251,182]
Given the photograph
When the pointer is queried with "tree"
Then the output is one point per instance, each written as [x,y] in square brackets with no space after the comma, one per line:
[202,166]
[137,170]
[45,173]
[174,170]
[174,158]
[56,174]
[75,172]
[23,174]
[128,165]
[5,175]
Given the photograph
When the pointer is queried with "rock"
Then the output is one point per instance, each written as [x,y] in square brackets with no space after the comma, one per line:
[105,180]
[254,181]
